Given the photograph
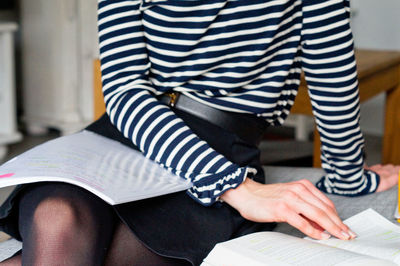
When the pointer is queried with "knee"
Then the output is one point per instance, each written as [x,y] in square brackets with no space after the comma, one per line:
[55,216]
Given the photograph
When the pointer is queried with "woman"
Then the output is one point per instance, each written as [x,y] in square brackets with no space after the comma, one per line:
[192,84]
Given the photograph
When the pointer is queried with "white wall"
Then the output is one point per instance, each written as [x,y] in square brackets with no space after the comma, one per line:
[376,25]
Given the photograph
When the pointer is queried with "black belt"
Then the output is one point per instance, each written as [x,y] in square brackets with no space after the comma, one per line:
[249,128]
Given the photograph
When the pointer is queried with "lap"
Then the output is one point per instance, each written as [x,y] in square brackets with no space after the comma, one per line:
[172,225]
[175,225]
[69,195]
[57,206]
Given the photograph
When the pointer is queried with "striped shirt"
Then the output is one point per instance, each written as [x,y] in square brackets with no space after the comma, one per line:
[236,55]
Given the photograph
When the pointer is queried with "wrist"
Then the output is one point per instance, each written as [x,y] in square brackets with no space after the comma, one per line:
[236,195]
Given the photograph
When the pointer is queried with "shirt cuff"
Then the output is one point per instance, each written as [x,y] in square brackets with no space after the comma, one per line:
[366,185]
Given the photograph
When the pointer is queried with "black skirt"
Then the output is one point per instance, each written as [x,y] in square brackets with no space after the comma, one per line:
[173,225]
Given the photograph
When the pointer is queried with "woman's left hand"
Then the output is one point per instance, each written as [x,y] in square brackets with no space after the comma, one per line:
[389,175]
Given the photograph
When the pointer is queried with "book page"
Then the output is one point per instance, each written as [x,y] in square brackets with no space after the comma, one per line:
[273,248]
[114,172]
[376,236]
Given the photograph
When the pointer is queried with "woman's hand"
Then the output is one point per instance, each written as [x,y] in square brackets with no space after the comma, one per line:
[389,175]
[298,203]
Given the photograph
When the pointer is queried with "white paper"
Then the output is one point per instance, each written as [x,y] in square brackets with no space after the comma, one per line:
[378,243]
[273,248]
[376,236]
[105,167]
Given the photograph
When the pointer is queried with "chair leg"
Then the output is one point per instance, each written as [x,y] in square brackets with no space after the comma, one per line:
[391,138]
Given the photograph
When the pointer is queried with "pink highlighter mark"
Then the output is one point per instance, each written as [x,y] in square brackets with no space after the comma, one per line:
[7,175]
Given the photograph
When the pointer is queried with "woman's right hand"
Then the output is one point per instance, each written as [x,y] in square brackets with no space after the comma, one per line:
[298,203]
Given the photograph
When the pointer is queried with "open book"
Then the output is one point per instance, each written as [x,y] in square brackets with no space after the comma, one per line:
[377,243]
[105,167]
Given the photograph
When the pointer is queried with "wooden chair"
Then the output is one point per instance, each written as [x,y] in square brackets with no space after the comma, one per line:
[98,101]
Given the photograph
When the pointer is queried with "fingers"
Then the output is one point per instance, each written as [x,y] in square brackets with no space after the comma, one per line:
[317,193]
[332,212]
[327,206]
[310,194]
[313,224]
[329,221]
[389,168]
[306,200]
[305,226]
[376,167]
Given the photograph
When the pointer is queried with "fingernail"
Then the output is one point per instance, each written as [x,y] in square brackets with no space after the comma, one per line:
[325,236]
[346,235]
[353,235]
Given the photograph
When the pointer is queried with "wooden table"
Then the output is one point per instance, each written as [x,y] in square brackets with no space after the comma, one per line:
[378,72]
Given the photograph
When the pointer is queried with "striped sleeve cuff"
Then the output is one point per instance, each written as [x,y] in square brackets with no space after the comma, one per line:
[367,185]
[208,189]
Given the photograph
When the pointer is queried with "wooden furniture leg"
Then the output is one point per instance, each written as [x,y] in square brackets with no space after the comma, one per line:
[391,138]
[98,100]
[317,150]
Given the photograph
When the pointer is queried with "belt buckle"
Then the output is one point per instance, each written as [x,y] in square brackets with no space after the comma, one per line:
[173,98]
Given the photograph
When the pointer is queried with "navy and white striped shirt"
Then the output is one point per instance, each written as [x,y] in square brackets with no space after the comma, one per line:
[235,55]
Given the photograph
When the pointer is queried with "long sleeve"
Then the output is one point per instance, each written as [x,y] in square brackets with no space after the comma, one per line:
[151,125]
[329,65]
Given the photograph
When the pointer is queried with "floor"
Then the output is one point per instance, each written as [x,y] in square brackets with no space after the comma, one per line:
[285,151]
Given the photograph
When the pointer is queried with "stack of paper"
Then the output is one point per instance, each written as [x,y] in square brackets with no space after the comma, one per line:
[112,171]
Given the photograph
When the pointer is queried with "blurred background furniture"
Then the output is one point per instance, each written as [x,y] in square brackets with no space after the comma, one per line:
[378,72]
[99,106]
[8,120]
[59,43]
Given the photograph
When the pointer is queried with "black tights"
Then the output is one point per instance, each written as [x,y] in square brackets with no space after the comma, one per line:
[61,224]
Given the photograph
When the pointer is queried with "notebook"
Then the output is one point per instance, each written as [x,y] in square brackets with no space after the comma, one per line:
[112,171]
